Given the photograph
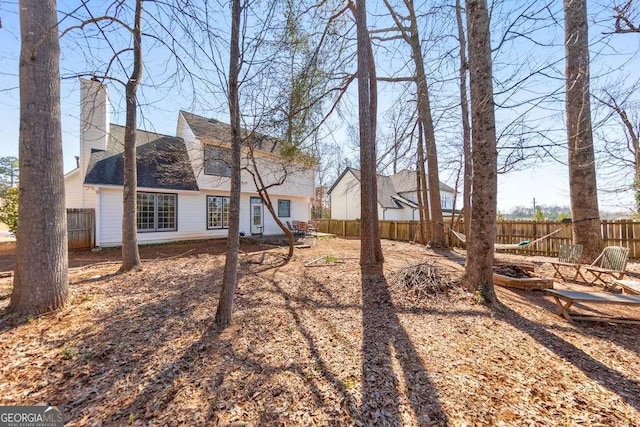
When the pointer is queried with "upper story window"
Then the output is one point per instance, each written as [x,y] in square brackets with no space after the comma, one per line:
[284,208]
[216,161]
[446,200]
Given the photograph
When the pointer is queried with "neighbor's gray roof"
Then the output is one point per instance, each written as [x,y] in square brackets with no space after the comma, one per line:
[162,162]
[217,131]
[386,193]
[390,188]
[406,181]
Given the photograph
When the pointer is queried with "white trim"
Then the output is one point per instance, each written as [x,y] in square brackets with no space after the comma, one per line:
[97,219]
[71,172]
[404,201]
[143,189]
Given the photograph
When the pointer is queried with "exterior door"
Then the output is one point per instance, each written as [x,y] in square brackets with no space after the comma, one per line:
[256,219]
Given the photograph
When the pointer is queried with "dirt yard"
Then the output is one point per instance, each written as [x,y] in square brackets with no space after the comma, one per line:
[310,346]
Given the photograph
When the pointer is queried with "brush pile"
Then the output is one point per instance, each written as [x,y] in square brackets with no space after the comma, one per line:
[422,280]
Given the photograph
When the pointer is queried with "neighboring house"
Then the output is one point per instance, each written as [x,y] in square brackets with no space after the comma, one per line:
[397,196]
[183,180]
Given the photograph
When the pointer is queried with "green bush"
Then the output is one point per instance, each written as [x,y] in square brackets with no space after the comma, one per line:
[9,209]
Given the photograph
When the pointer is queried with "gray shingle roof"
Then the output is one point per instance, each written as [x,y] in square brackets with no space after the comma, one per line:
[406,181]
[162,162]
[390,188]
[217,131]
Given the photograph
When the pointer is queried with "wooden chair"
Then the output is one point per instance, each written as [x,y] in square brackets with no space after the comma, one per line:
[569,256]
[595,298]
[611,262]
[291,228]
[312,226]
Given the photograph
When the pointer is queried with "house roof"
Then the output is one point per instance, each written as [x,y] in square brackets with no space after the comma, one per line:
[162,162]
[214,130]
[390,188]
[406,181]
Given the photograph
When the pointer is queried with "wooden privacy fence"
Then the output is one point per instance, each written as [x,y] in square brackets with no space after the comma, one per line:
[81,228]
[614,233]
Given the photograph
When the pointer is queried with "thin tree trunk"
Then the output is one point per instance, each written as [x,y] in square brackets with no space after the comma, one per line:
[266,200]
[437,235]
[423,193]
[41,281]
[130,254]
[466,129]
[582,169]
[371,258]
[230,278]
[424,112]
[480,245]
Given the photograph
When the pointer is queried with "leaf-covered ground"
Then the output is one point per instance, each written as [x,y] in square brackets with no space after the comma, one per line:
[310,346]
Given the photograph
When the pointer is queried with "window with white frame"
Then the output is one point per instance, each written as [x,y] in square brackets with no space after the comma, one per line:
[216,161]
[284,208]
[157,212]
[217,212]
[446,200]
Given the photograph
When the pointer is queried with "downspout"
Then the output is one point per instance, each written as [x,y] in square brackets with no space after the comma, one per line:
[98,234]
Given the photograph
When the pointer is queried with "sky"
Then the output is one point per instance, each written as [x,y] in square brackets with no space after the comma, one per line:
[545,180]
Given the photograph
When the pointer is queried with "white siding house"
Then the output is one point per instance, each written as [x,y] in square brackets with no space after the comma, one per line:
[183,193]
[397,196]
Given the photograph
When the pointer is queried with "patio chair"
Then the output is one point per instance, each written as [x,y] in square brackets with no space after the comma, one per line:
[295,229]
[569,256]
[312,226]
[291,229]
[611,262]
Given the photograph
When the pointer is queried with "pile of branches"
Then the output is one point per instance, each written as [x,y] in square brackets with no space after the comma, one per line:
[423,280]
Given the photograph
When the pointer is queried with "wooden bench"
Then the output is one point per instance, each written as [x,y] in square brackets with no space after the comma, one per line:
[571,297]
[630,287]
[611,262]
[569,256]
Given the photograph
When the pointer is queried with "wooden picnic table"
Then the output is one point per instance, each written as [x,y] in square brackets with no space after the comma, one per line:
[631,287]
[571,297]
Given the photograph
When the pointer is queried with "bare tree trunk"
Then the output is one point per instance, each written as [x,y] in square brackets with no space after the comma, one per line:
[423,193]
[480,245]
[229,281]
[130,254]
[41,281]
[582,169]
[424,112]
[437,235]
[466,129]
[266,200]
[371,258]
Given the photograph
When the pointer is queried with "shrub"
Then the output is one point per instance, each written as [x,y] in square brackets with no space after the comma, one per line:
[9,209]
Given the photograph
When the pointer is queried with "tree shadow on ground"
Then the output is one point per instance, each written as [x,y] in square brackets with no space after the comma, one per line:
[624,335]
[333,380]
[627,389]
[87,257]
[115,353]
[385,341]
